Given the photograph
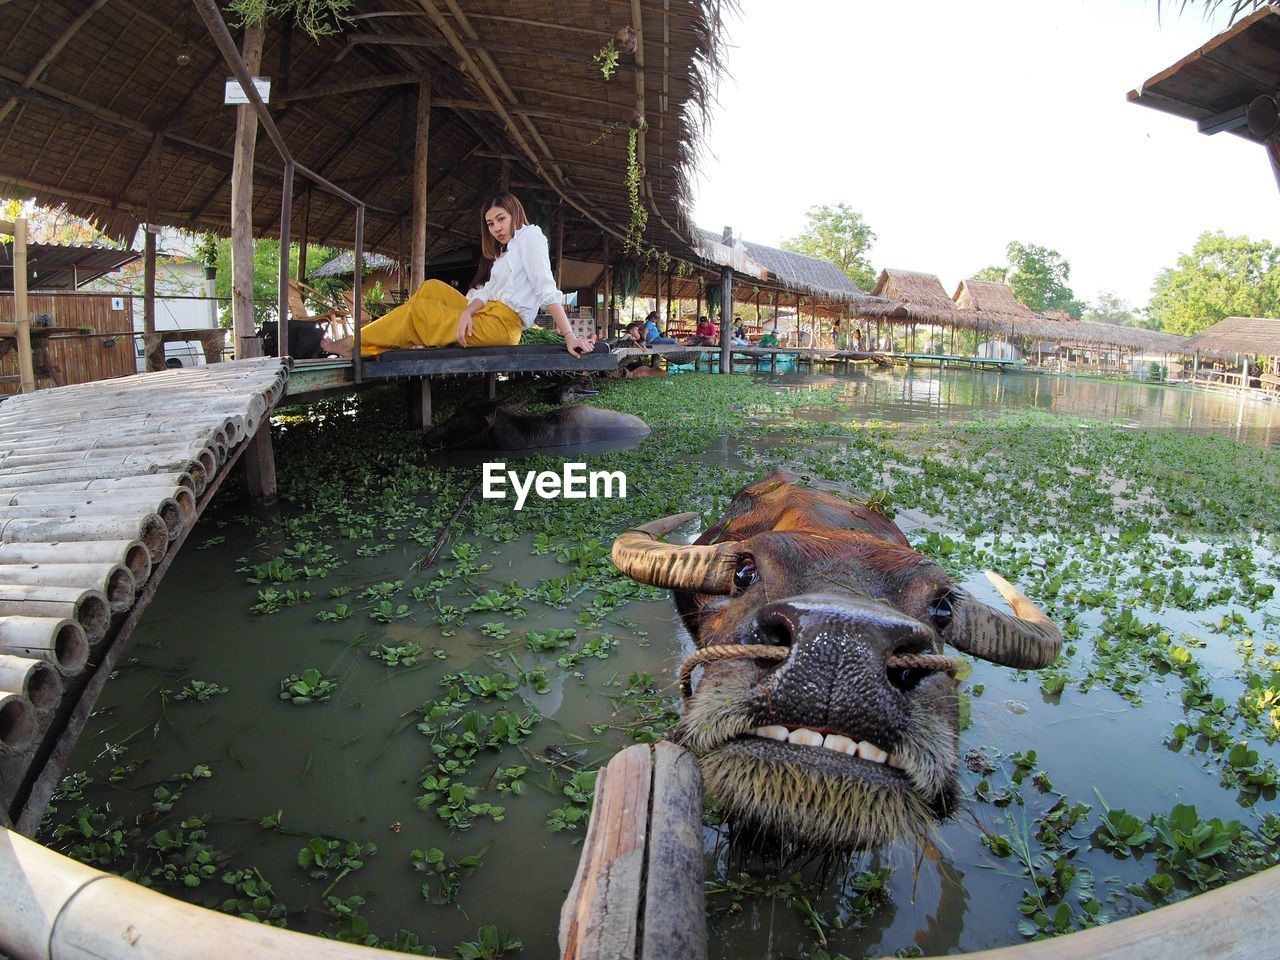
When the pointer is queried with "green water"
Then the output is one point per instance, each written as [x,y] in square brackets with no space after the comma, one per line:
[1092,518]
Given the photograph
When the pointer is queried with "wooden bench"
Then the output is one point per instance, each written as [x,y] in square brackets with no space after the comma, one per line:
[419,366]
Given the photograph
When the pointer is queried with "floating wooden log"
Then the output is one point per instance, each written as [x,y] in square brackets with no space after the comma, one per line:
[34,679]
[131,553]
[18,726]
[113,579]
[60,641]
[149,529]
[88,608]
[638,893]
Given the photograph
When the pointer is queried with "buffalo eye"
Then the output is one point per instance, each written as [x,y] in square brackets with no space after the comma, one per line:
[940,611]
[745,573]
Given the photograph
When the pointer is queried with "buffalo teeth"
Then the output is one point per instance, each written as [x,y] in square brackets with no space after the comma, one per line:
[832,741]
[869,751]
[776,732]
[806,737]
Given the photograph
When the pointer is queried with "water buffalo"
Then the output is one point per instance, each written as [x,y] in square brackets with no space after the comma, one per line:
[492,426]
[304,339]
[827,713]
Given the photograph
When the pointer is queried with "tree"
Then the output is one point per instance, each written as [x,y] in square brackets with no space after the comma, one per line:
[991,274]
[1111,309]
[1221,277]
[840,235]
[266,276]
[1039,278]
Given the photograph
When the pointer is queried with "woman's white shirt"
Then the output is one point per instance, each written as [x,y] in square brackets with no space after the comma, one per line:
[521,277]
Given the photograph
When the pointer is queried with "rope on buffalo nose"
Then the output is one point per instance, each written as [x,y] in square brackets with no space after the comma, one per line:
[934,662]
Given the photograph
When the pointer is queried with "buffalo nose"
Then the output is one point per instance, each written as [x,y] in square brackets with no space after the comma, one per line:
[835,675]
[847,625]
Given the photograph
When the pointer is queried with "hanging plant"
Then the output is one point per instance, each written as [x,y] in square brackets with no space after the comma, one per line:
[639,216]
[628,274]
[318,18]
[606,59]
[715,296]
[684,269]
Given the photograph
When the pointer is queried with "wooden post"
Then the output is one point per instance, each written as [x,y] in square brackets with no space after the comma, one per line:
[154,358]
[608,290]
[303,237]
[559,247]
[638,892]
[726,312]
[401,263]
[491,386]
[22,311]
[657,288]
[246,344]
[421,142]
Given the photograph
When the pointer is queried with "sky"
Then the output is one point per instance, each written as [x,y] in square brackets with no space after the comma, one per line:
[956,127]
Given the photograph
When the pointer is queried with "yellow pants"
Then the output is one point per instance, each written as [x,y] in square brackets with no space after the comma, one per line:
[429,318]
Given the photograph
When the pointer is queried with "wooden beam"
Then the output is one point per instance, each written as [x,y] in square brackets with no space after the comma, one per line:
[487,46]
[246,344]
[520,110]
[376,82]
[421,143]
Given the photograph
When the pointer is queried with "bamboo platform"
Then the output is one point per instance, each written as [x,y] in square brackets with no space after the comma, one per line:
[942,359]
[99,485]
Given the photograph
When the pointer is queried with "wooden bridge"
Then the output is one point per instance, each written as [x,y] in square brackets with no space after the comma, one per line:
[99,485]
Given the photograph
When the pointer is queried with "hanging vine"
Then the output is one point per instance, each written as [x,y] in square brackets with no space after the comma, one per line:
[639,216]
[606,59]
[318,18]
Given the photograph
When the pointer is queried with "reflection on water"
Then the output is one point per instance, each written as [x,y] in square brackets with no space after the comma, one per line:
[928,395]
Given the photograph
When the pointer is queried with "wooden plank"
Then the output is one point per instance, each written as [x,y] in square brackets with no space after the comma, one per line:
[527,359]
[246,344]
[675,911]
[601,922]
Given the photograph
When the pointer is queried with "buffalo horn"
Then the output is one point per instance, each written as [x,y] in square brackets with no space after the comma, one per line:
[703,569]
[1027,641]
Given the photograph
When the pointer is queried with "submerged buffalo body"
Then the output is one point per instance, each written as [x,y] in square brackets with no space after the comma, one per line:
[827,713]
[490,426]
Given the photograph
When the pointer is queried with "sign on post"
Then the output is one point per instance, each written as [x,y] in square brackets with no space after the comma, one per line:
[234,93]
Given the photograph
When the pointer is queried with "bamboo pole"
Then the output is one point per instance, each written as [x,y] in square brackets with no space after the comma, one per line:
[88,608]
[113,580]
[34,679]
[149,529]
[125,469]
[18,729]
[59,640]
[55,907]
[22,313]
[132,554]
[154,359]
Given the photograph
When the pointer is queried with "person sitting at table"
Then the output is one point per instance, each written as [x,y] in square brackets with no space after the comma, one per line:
[652,334]
[492,314]
[739,338]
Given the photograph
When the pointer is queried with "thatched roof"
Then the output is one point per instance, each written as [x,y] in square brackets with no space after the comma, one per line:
[991,298]
[1247,335]
[344,265]
[86,90]
[924,298]
[1213,85]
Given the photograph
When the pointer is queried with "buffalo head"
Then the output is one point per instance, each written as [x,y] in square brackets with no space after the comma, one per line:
[827,713]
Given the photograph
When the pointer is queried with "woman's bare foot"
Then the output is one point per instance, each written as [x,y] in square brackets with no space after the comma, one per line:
[342,348]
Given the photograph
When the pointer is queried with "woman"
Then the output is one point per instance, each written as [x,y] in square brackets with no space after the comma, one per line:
[492,314]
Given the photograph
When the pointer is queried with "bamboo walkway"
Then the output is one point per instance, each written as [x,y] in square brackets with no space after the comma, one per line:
[99,485]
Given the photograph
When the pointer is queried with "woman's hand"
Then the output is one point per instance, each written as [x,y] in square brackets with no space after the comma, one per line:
[577,346]
[464,327]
